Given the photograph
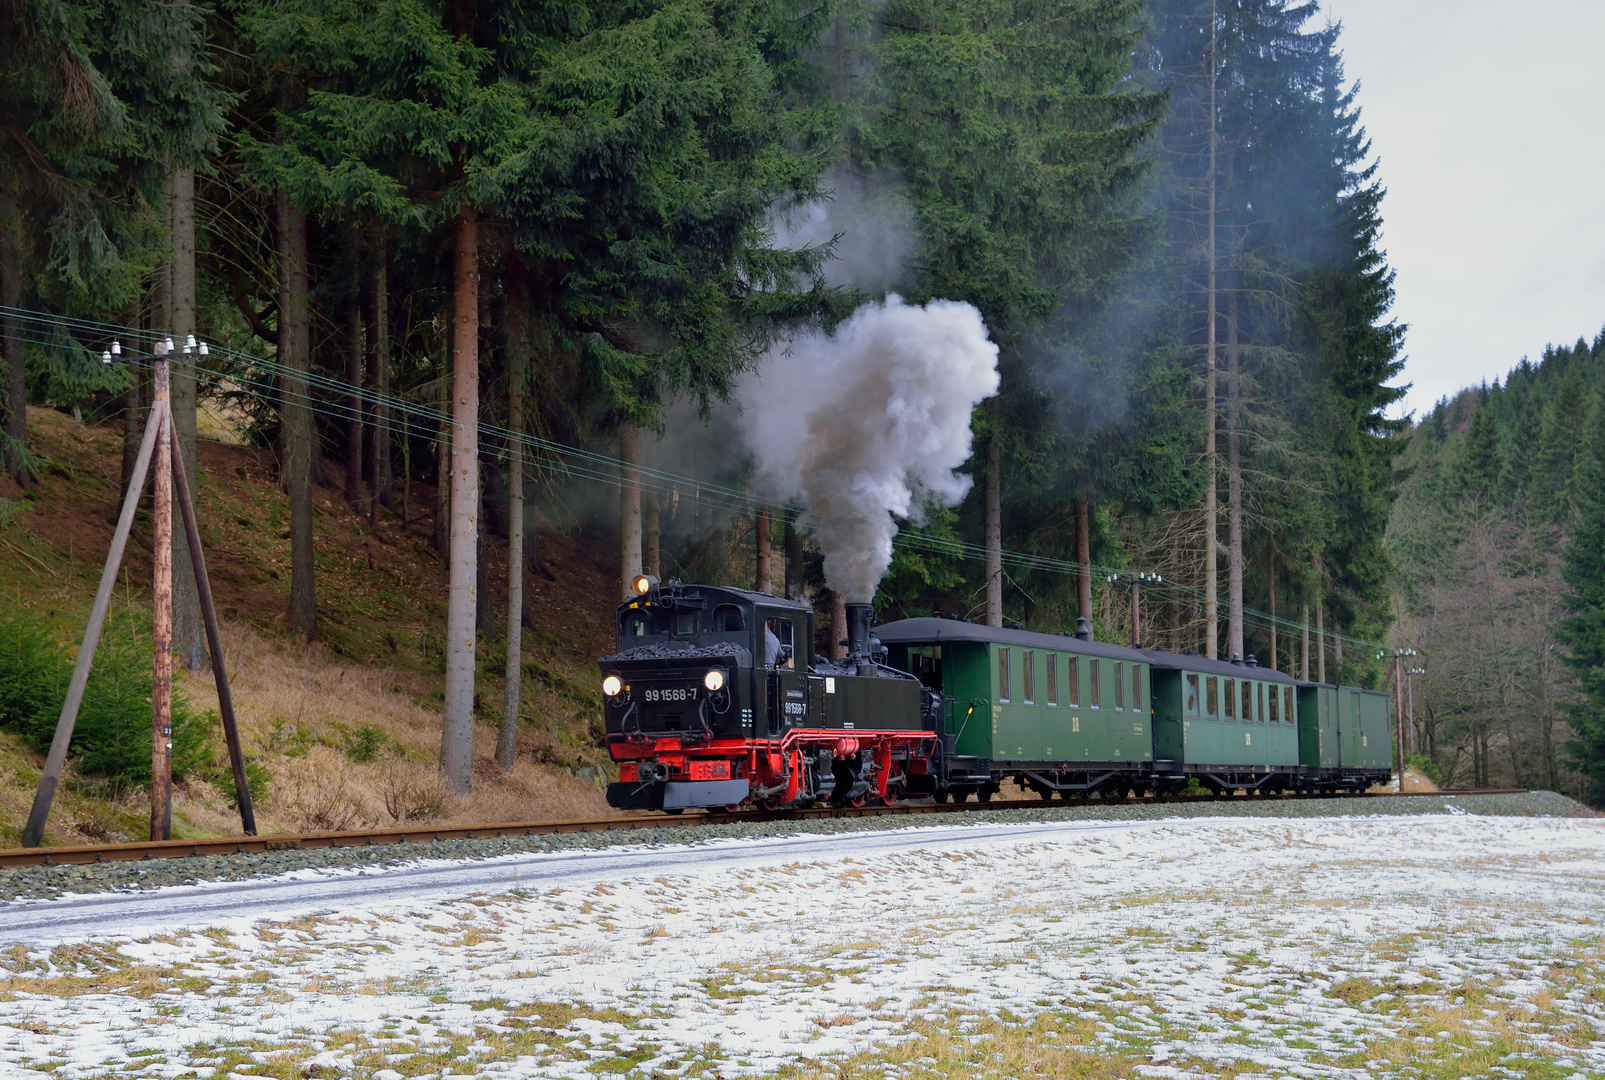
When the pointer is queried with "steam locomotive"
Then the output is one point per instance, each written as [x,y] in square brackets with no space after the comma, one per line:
[711,702]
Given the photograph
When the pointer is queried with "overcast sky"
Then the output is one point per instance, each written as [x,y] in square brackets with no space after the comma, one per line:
[1489,122]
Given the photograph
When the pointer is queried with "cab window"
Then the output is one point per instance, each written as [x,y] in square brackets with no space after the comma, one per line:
[633,625]
[727,619]
[779,644]
[685,624]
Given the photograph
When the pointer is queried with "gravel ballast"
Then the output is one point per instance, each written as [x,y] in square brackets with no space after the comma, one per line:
[44,882]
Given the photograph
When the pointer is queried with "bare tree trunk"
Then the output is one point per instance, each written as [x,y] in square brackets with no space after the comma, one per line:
[794,558]
[11,339]
[294,349]
[1084,557]
[1320,638]
[1211,525]
[994,535]
[1304,621]
[379,380]
[1270,581]
[1337,652]
[457,721]
[651,534]
[188,632]
[1234,487]
[133,424]
[629,508]
[442,538]
[356,346]
[764,556]
[517,346]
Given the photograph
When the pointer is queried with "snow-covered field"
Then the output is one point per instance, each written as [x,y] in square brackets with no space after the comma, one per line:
[1431,946]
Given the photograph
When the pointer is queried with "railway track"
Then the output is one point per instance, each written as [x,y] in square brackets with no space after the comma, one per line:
[238,845]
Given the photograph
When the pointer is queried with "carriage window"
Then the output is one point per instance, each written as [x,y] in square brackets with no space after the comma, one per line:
[1072,671]
[1120,687]
[1136,686]
[1028,680]
[1053,678]
[1190,691]
[1248,700]
[1276,716]
[1287,705]
[1231,699]
[685,624]
[1260,690]
[727,619]
[778,644]
[1003,674]
[1212,696]
[1092,668]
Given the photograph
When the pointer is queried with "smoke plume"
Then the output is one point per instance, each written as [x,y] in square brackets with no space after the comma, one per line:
[859,421]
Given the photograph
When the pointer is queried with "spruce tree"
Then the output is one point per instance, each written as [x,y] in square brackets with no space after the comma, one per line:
[1477,461]
[1582,634]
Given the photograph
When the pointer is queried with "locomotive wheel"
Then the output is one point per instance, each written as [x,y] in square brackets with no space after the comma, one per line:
[939,795]
[984,795]
[677,810]
[1046,794]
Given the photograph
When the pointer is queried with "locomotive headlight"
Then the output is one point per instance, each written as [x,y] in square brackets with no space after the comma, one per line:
[713,680]
[641,584]
[612,685]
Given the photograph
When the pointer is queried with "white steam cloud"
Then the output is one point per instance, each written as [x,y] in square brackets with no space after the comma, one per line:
[857,421]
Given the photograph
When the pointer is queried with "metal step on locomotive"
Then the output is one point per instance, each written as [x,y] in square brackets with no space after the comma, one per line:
[710,702]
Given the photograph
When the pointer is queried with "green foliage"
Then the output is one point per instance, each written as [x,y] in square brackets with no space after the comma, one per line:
[112,736]
[258,779]
[1582,633]
[1424,765]
[365,743]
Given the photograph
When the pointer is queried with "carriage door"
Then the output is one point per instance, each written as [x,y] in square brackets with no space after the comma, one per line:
[788,690]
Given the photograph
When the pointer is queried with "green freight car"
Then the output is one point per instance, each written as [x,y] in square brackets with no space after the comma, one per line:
[1345,738]
[1055,712]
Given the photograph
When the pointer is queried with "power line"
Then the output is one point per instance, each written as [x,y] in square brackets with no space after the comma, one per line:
[572,461]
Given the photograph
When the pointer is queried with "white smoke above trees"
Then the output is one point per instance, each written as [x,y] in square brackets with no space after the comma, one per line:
[857,422]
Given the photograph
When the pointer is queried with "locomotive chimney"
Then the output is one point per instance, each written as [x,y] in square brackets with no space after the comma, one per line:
[858,620]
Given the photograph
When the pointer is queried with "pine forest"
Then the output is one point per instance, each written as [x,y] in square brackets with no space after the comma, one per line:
[492,281]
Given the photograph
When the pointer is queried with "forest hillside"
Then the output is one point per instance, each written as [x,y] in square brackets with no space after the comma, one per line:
[340,734]
[1493,537]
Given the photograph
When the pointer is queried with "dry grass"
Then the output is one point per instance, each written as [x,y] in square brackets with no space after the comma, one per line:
[349,729]
[303,714]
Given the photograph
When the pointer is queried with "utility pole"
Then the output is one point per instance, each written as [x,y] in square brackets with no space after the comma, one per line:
[161,689]
[1136,582]
[161,444]
[1398,704]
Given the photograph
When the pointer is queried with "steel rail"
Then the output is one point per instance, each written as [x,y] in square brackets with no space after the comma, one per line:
[241,845]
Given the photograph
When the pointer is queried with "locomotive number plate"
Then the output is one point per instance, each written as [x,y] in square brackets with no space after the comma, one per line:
[670,693]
